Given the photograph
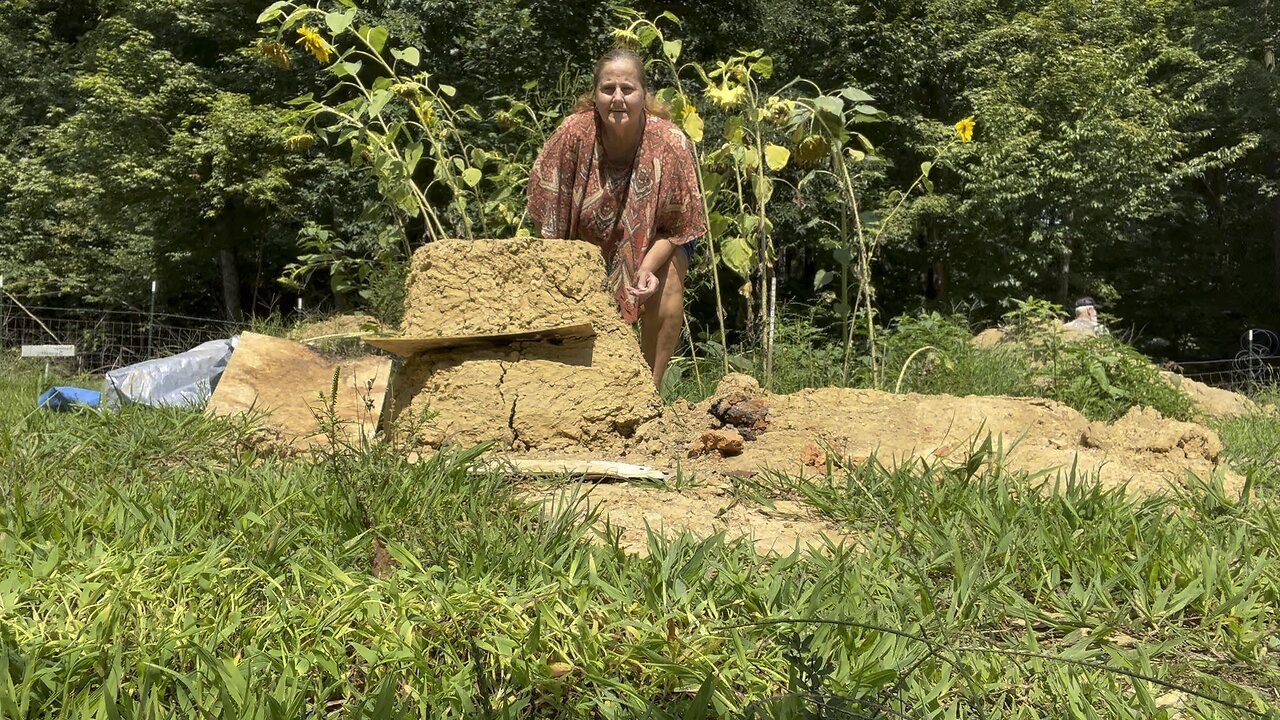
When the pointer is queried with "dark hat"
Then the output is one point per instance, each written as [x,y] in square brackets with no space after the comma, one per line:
[1087,301]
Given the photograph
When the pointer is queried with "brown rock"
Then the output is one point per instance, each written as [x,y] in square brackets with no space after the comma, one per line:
[742,411]
[725,442]
[812,456]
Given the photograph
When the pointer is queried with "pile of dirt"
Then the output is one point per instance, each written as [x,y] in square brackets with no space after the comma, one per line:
[1209,400]
[1143,450]
[578,395]
[337,325]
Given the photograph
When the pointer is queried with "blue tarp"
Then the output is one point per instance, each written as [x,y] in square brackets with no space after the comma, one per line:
[69,398]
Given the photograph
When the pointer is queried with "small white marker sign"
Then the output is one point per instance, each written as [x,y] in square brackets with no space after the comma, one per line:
[48,351]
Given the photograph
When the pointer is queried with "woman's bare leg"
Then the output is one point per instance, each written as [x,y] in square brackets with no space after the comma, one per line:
[663,316]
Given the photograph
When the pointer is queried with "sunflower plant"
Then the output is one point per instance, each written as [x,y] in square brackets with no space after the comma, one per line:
[820,125]
[398,120]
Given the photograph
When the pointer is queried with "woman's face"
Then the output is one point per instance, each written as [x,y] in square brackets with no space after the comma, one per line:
[620,97]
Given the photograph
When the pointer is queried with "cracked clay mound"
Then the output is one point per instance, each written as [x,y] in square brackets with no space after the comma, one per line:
[570,395]
[1142,449]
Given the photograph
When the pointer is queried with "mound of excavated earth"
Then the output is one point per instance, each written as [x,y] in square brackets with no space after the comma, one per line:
[794,433]
[593,399]
[570,395]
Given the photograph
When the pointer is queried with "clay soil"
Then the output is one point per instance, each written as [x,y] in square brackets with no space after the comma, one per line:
[593,400]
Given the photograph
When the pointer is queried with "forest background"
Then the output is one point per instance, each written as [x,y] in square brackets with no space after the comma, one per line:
[1124,149]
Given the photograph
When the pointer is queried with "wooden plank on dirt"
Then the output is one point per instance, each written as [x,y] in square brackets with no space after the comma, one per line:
[406,346]
[586,469]
[292,383]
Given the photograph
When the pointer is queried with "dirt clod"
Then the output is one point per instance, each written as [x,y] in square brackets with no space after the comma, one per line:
[741,410]
[726,443]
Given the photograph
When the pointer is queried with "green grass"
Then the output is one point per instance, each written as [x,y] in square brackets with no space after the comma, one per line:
[154,565]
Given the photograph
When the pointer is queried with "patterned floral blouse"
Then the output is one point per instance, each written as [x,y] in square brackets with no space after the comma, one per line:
[575,193]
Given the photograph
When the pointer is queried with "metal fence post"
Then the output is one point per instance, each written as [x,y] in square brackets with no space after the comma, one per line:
[151,323]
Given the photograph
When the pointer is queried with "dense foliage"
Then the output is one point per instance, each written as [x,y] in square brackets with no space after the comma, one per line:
[155,565]
[1124,148]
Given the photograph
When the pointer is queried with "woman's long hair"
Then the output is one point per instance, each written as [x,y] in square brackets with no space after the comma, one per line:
[652,105]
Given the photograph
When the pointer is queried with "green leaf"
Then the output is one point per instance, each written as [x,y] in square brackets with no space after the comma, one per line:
[842,256]
[762,187]
[763,67]
[671,48]
[925,167]
[738,254]
[344,69]
[378,101]
[412,155]
[718,224]
[375,36]
[339,22]
[471,177]
[733,130]
[711,182]
[776,156]
[822,279]
[829,104]
[854,95]
[448,90]
[647,35]
[272,12]
[407,55]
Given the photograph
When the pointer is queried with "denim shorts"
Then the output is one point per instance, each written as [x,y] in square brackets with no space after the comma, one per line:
[690,248]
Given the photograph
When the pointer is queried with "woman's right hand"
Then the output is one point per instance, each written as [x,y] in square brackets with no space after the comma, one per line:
[646,284]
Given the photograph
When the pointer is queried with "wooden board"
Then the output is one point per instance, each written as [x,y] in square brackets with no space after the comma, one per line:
[406,346]
[31,351]
[586,469]
[291,382]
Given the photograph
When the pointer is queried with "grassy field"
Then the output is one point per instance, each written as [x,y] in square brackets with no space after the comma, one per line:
[155,565]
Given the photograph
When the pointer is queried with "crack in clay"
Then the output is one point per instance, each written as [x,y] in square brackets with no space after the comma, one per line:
[511,417]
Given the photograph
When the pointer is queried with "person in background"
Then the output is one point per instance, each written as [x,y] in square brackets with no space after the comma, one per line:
[1086,320]
[618,174]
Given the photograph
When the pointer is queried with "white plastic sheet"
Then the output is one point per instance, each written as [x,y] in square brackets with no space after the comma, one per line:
[184,379]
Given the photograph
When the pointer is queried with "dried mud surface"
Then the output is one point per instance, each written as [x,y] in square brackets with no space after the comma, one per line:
[576,395]
[1144,451]
[292,383]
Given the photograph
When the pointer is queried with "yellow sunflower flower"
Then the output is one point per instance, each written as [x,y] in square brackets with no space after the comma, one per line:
[314,44]
[964,129]
[273,51]
[727,95]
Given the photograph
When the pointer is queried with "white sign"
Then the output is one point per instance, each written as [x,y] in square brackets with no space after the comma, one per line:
[48,351]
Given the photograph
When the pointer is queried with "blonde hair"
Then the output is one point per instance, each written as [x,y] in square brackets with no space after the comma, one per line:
[652,105]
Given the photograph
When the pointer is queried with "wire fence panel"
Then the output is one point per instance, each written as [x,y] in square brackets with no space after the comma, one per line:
[107,339]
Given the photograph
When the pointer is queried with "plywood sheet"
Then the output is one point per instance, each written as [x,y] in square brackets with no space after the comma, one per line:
[409,345]
[292,384]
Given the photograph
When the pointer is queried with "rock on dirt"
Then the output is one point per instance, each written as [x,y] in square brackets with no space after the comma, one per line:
[726,443]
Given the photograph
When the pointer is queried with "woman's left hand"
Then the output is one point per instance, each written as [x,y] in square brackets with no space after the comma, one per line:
[646,284]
